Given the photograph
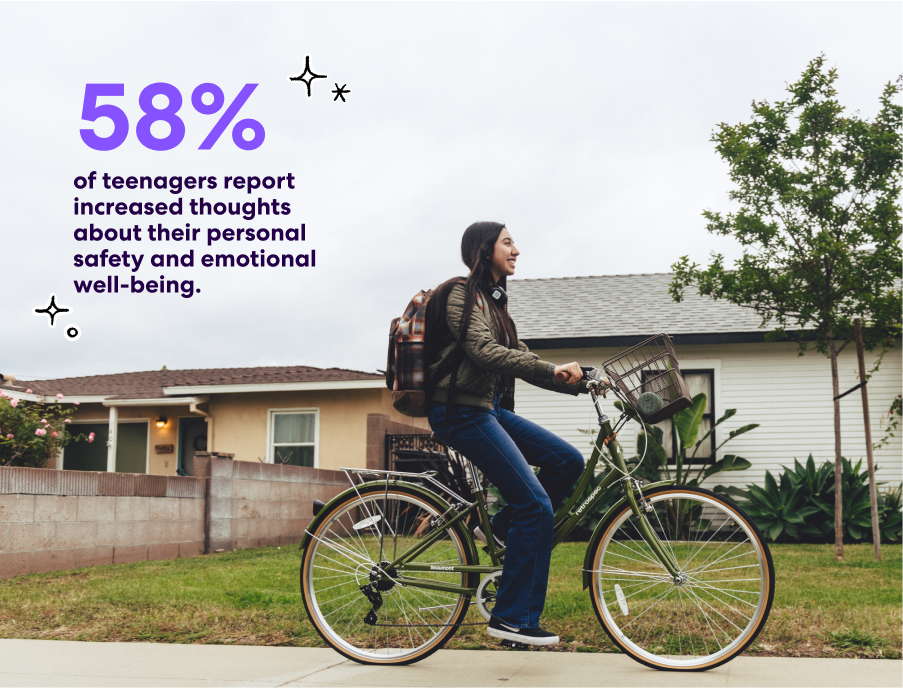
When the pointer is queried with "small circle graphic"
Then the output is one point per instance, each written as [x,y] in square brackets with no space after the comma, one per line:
[72,332]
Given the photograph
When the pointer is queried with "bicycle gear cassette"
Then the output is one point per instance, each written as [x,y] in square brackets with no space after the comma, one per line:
[486,592]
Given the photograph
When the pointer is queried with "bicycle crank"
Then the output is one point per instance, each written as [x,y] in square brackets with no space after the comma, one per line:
[486,593]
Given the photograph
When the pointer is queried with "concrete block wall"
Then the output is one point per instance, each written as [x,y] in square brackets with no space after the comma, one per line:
[54,520]
[260,504]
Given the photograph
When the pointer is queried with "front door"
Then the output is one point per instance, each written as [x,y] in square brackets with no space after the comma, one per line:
[193,438]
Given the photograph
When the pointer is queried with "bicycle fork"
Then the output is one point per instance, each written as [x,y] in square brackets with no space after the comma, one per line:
[631,487]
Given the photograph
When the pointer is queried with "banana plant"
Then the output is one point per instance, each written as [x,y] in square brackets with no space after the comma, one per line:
[686,425]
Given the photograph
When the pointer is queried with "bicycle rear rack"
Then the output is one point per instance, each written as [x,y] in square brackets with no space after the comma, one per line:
[429,476]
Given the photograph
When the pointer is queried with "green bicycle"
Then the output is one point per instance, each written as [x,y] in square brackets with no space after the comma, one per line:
[679,577]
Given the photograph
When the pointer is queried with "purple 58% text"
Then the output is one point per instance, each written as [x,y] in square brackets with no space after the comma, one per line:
[92,111]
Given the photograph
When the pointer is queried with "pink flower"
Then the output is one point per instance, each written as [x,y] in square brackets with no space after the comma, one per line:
[2,394]
[44,421]
[59,396]
[91,437]
[28,391]
[40,431]
[14,402]
[10,436]
[54,434]
[68,420]
[75,402]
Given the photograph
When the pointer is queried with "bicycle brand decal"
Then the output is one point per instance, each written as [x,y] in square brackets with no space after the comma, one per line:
[442,568]
[589,499]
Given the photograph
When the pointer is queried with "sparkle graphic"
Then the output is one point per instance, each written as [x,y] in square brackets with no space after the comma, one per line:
[52,309]
[307,76]
[340,92]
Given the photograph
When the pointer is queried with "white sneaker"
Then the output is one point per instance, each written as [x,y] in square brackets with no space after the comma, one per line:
[525,636]
[481,536]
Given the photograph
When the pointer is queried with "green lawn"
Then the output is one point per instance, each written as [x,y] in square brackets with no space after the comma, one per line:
[251,597]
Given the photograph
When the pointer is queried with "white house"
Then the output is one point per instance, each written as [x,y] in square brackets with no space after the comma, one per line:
[721,350]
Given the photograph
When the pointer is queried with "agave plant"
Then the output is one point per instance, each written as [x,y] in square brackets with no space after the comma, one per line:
[799,505]
[779,508]
[889,504]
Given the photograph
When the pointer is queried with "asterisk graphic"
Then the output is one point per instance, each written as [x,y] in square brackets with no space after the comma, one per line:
[52,309]
[307,76]
[340,92]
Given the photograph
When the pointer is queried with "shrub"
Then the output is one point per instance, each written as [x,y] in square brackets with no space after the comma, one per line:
[799,505]
[32,433]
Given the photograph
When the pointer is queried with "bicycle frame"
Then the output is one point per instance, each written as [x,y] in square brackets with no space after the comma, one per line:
[566,518]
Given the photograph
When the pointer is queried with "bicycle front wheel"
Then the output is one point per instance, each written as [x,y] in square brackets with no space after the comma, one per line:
[712,610]
[352,548]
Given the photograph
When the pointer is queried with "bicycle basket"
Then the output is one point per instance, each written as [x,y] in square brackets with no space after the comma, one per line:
[650,378]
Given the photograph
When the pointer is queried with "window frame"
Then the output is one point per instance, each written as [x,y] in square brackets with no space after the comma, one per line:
[271,431]
[712,415]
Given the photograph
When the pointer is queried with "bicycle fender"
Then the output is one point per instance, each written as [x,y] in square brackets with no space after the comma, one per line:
[597,533]
[328,507]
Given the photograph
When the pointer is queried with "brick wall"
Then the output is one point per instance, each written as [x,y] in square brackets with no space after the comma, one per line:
[53,520]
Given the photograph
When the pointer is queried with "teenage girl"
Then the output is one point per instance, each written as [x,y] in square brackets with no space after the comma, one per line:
[473,355]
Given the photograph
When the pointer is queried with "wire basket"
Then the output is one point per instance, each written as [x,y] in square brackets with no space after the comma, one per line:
[650,378]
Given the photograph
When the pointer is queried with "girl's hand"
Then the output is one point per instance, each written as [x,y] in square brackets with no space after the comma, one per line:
[569,373]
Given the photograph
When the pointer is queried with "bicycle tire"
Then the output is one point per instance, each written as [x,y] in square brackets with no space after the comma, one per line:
[348,556]
[700,603]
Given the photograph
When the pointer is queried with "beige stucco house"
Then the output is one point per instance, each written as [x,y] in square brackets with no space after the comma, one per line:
[153,421]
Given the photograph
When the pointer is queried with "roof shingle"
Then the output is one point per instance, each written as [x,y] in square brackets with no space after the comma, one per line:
[149,384]
[619,306]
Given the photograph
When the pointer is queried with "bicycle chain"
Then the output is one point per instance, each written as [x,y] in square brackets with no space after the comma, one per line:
[377,601]
[485,623]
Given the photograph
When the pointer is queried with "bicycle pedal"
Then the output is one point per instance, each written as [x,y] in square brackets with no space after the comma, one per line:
[486,550]
[514,645]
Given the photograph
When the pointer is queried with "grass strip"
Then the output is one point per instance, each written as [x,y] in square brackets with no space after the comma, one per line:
[251,597]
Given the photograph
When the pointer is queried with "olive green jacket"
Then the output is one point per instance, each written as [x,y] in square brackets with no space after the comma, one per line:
[487,360]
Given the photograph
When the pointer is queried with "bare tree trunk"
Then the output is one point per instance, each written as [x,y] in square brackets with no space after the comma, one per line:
[838,465]
[873,490]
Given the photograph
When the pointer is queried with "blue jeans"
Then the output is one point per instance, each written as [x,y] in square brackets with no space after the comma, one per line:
[504,446]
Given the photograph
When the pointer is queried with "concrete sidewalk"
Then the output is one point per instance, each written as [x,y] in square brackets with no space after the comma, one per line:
[61,663]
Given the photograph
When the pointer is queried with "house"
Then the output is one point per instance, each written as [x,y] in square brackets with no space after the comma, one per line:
[297,415]
[722,351]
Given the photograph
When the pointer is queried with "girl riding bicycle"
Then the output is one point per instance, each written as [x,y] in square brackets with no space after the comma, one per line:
[473,355]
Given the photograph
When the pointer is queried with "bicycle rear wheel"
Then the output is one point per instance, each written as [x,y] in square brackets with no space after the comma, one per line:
[353,546]
[721,599]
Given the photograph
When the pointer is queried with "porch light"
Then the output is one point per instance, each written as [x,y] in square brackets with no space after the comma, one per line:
[161,421]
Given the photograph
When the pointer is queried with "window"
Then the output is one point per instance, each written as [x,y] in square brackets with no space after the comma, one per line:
[294,437]
[131,447]
[697,381]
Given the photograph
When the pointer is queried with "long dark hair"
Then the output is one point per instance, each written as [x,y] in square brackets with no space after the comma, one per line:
[477,249]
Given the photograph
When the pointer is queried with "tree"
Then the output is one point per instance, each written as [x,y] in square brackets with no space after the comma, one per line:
[819,221]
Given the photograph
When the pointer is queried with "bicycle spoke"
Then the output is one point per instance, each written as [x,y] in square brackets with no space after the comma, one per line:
[343,558]
[686,620]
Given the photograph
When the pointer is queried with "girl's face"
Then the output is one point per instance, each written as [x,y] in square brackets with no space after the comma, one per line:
[504,256]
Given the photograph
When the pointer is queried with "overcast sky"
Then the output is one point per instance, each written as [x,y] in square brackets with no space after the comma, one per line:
[584,127]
